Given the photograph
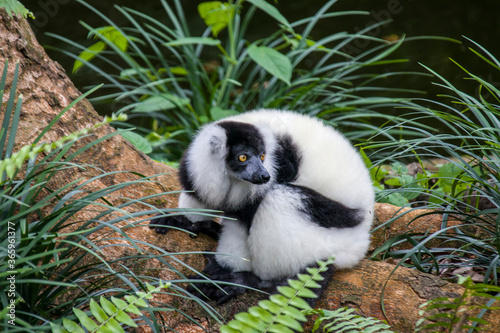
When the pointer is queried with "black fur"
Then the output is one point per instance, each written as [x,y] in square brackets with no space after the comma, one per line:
[288,158]
[242,134]
[221,293]
[162,223]
[246,213]
[326,212]
[184,177]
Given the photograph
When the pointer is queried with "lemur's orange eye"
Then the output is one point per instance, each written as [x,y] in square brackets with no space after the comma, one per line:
[262,157]
[242,158]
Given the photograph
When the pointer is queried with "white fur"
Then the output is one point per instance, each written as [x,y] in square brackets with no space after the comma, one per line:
[187,200]
[282,240]
[233,247]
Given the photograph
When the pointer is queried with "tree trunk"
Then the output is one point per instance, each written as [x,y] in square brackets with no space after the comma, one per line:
[47,90]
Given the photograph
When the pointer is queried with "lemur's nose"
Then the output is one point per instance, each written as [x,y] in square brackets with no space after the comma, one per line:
[265,178]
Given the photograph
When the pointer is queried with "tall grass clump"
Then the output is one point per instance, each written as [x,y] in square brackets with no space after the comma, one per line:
[465,187]
[176,79]
[52,260]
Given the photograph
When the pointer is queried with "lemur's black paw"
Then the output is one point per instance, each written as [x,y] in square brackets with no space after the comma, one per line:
[237,284]
[163,223]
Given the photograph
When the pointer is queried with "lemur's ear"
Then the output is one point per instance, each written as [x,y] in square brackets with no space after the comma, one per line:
[217,144]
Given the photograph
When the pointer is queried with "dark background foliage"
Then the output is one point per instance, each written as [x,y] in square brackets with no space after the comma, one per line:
[449,18]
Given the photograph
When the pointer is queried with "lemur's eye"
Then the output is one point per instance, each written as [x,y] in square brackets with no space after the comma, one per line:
[262,157]
[242,158]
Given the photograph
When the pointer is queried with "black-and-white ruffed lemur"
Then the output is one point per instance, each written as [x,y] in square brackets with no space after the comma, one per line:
[295,189]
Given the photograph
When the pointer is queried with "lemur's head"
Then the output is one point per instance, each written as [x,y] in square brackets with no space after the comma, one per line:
[245,152]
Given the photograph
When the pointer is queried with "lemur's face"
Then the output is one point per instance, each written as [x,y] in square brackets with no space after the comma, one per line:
[246,163]
[246,152]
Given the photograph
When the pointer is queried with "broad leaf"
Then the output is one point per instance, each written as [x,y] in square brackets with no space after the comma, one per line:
[271,11]
[109,33]
[160,102]
[216,15]
[138,141]
[272,61]
[217,113]
[113,35]
[88,54]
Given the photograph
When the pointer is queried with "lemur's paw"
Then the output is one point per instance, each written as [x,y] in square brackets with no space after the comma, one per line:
[235,284]
[163,223]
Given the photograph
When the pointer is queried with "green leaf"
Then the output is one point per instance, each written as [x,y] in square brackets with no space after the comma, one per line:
[134,72]
[290,322]
[300,303]
[251,320]
[97,311]
[193,40]
[178,71]
[85,320]
[450,177]
[217,113]
[109,307]
[119,303]
[261,313]
[270,306]
[15,7]
[138,141]
[160,102]
[286,291]
[396,199]
[227,329]
[216,14]
[88,54]
[133,309]
[271,11]
[278,328]
[57,328]
[308,283]
[307,293]
[272,61]
[72,327]
[114,326]
[124,318]
[295,313]
[113,35]
[137,301]
[279,300]
[241,327]
[393,182]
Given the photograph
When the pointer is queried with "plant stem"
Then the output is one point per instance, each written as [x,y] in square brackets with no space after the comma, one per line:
[232,53]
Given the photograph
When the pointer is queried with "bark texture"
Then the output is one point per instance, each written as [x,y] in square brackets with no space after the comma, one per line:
[47,90]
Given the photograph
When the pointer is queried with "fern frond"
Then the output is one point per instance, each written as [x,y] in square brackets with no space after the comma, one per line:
[110,315]
[12,164]
[343,320]
[15,7]
[454,313]
[282,312]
